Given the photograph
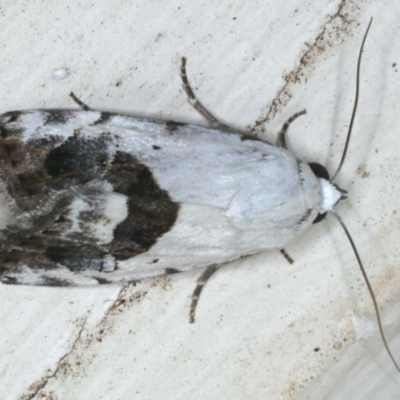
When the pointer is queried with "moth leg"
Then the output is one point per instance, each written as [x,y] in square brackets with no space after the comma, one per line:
[286,255]
[201,281]
[194,101]
[281,140]
[80,103]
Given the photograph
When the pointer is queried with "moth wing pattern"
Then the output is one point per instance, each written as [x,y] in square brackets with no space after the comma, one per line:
[98,197]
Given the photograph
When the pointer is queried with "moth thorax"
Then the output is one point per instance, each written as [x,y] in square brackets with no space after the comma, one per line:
[331,194]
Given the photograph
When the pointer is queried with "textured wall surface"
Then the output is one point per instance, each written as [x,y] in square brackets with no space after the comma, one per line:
[265,329]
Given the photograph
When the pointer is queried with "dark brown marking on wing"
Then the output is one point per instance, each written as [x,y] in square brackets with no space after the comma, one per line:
[170,271]
[173,126]
[78,160]
[104,118]
[56,117]
[102,281]
[151,212]
[46,175]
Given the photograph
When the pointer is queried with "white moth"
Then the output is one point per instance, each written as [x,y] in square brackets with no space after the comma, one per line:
[98,197]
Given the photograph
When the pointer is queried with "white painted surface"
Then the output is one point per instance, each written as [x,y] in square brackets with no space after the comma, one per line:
[260,319]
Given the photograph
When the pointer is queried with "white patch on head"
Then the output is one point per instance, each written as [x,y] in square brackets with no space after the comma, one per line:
[330,195]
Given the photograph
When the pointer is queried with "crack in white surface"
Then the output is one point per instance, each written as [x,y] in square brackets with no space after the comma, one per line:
[336,25]
[42,383]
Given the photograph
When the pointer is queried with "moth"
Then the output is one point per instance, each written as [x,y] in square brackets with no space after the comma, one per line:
[98,197]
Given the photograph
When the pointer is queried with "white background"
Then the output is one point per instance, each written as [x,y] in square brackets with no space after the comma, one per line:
[265,329]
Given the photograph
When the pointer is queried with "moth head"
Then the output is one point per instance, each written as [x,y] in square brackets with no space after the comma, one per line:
[331,193]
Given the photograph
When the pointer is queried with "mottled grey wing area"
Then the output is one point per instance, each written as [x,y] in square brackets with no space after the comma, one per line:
[61,186]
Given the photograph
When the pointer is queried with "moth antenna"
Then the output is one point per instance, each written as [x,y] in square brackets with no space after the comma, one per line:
[353,114]
[339,219]
[371,292]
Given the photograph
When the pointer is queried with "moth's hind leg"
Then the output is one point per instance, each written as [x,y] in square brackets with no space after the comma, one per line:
[201,281]
[287,256]
[281,139]
[80,103]
[195,103]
